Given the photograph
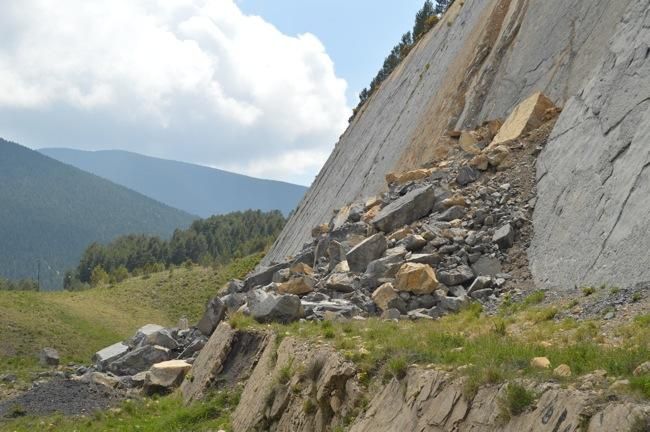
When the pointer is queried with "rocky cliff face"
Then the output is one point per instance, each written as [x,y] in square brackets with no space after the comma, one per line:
[483,58]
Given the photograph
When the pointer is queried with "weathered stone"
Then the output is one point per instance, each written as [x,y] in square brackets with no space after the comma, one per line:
[109,354]
[323,309]
[162,338]
[467,141]
[368,250]
[301,268]
[416,278]
[540,363]
[432,259]
[164,376]
[454,200]
[138,360]
[319,230]
[413,242]
[453,304]
[341,282]
[263,276]
[215,311]
[383,295]
[406,209]
[480,283]
[391,314]
[642,369]
[235,286]
[268,307]
[455,212]
[335,253]
[195,346]
[48,357]
[405,177]
[499,157]
[383,268]
[504,237]
[400,234]
[528,115]
[342,267]
[467,175]
[144,332]
[482,294]
[479,162]
[372,213]
[233,301]
[562,370]
[298,285]
[457,276]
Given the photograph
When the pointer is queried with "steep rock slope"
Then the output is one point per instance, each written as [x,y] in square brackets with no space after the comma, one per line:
[195,189]
[483,58]
[591,222]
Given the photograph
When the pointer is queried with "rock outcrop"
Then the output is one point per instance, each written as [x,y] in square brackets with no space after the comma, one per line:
[482,59]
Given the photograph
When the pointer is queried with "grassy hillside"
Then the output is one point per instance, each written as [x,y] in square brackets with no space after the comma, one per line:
[196,189]
[79,323]
[51,212]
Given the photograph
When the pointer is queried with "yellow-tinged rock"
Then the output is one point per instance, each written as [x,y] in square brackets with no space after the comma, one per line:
[301,268]
[562,370]
[528,115]
[480,162]
[499,157]
[416,278]
[167,374]
[467,142]
[493,127]
[383,295]
[372,202]
[371,214]
[400,234]
[404,177]
[297,285]
[454,200]
[540,363]
[320,229]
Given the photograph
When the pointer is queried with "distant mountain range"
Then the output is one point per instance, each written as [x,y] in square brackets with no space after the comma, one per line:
[50,212]
[193,188]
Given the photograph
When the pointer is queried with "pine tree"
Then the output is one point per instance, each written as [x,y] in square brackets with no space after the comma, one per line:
[420,27]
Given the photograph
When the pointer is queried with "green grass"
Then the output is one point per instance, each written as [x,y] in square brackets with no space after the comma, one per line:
[167,414]
[516,400]
[77,324]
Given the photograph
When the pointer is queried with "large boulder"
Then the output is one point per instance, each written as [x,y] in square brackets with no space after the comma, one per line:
[383,296]
[416,278]
[109,354]
[139,360]
[405,177]
[269,307]
[528,115]
[368,250]
[406,209]
[504,237]
[341,282]
[381,269]
[165,376]
[215,311]
[162,338]
[144,332]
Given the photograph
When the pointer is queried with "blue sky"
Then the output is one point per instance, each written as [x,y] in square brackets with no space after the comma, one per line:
[358,34]
[259,87]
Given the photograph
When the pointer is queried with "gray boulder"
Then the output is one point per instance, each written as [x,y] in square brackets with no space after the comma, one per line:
[162,338]
[504,237]
[214,313]
[413,242]
[432,259]
[455,212]
[139,360]
[270,307]
[467,175]
[234,301]
[406,209]
[486,266]
[195,346]
[368,250]
[341,282]
[143,333]
[109,354]
[48,357]
[382,268]
[480,283]
[457,276]
[336,253]
[263,276]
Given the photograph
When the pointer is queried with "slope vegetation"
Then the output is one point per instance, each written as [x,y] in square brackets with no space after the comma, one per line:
[196,189]
[51,211]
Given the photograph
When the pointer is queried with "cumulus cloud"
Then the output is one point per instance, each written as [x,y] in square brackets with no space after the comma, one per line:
[194,80]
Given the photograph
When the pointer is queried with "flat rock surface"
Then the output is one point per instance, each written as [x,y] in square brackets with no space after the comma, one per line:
[60,396]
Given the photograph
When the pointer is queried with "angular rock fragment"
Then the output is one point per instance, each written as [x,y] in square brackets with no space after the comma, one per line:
[138,360]
[457,276]
[528,115]
[455,212]
[368,250]
[109,354]
[263,277]
[383,295]
[165,376]
[48,357]
[341,282]
[416,278]
[406,209]
[298,285]
[467,175]
[269,307]
[162,338]
[504,237]
[215,311]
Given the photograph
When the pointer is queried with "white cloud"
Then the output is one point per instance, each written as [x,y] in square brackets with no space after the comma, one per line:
[160,70]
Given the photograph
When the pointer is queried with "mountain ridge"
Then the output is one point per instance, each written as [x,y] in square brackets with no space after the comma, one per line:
[196,189]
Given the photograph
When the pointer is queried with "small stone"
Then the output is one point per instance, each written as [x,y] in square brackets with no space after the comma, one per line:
[49,357]
[540,363]
[298,285]
[467,175]
[391,314]
[457,276]
[413,242]
[400,234]
[455,212]
[562,370]
[467,141]
[302,268]
[620,385]
[479,162]
[164,376]
[480,283]
[642,369]
[504,237]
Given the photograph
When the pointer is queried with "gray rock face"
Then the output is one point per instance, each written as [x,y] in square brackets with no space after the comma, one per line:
[109,354]
[591,217]
[139,360]
[368,250]
[267,307]
[406,209]
[457,276]
[214,313]
[504,237]
[394,130]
